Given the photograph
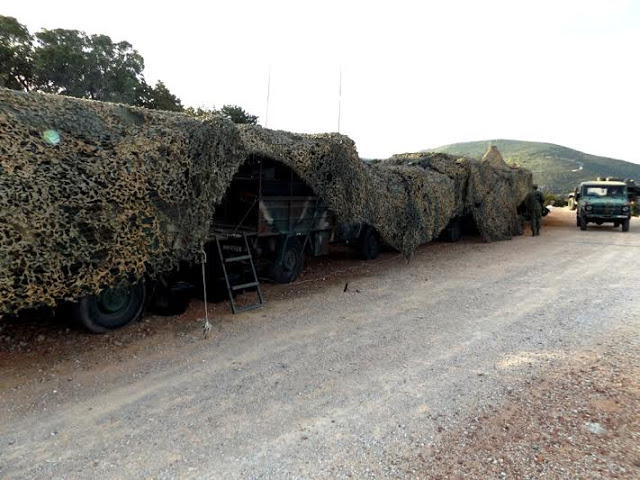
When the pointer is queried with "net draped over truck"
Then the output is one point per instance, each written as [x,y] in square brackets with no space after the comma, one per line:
[94,194]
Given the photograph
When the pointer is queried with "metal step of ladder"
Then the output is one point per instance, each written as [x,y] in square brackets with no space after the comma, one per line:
[241,253]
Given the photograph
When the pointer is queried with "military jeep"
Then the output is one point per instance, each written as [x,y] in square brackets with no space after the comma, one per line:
[603,202]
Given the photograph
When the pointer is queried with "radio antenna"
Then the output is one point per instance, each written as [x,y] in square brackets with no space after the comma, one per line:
[339,98]
[266,116]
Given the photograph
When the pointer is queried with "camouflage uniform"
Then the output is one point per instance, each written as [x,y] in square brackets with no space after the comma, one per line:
[534,203]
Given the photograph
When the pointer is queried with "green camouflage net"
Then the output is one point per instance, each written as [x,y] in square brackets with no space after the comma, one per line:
[407,205]
[409,198]
[488,189]
[93,194]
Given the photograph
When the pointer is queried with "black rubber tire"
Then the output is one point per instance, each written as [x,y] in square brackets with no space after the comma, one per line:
[583,223]
[625,225]
[95,314]
[616,224]
[370,244]
[291,266]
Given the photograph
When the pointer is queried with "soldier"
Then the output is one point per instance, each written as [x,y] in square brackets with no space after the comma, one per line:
[535,203]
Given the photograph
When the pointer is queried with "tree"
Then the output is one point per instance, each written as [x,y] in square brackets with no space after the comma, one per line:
[69,62]
[160,98]
[16,49]
[237,115]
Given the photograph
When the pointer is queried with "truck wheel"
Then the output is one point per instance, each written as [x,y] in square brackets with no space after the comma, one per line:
[369,244]
[616,224]
[577,221]
[111,309]
[583,223]
[291,266]
[625,225]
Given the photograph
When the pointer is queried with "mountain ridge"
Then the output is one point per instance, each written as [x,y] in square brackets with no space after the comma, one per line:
[555,168]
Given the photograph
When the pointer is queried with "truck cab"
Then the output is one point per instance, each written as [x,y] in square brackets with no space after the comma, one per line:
[603,202]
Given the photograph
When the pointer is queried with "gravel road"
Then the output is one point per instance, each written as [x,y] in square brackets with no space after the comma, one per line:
[515,359]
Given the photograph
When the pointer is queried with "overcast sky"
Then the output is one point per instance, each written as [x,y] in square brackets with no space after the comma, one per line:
[414,74]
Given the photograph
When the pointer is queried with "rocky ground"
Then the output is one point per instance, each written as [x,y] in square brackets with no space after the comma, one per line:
[516,359]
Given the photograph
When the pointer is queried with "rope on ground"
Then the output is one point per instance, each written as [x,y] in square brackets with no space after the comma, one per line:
[206,327]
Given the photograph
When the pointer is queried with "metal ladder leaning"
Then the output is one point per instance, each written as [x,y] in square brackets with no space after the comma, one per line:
[243,256]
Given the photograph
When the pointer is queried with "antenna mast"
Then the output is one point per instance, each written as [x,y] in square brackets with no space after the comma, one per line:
[266,117]
[339,98]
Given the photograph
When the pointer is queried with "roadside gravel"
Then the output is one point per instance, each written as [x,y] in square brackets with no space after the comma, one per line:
[470,353]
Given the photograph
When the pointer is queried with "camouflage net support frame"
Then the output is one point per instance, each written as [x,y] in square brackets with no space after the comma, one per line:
[94,194]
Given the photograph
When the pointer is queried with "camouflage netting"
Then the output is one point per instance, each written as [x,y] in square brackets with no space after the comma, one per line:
[407,205]
[92,194]
[489,189]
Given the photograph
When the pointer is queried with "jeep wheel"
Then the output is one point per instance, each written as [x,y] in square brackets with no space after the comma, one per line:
[577,221]
[625,225]
[583,223]
[616,224]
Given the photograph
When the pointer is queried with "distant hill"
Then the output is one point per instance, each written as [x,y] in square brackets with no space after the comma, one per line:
[555,168]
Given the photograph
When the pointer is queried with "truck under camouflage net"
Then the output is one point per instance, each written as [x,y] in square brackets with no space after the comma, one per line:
[96,198]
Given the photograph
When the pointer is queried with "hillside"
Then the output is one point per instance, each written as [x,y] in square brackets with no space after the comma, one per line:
[555,168]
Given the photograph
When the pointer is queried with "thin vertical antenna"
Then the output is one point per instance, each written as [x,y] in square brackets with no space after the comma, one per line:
[339,98]
[266,117]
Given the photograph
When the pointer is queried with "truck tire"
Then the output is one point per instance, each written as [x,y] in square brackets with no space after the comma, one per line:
[291,266]
[111,309]
[370,244]
[577,220]
[583,223]
[625,225]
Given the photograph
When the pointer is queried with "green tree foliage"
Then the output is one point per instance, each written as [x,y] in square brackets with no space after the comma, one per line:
[16,49]
[69,62]
[160,98]
[237,115]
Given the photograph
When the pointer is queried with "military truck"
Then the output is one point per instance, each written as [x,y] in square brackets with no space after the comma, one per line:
[283,220]
[603,201]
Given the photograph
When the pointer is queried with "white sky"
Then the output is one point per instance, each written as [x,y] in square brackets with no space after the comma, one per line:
[414,74]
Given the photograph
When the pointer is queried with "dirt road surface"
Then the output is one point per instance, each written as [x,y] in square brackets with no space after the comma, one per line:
[516,359]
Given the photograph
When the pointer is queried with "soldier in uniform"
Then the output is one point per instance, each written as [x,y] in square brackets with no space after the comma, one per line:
[535,203]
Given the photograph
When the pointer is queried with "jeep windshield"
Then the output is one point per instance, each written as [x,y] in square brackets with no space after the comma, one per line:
[604,191]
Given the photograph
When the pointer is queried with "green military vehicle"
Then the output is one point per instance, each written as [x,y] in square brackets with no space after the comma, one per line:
[603,202]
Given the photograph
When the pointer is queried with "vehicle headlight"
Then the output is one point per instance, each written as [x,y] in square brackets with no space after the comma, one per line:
[625,208]
[588,208]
